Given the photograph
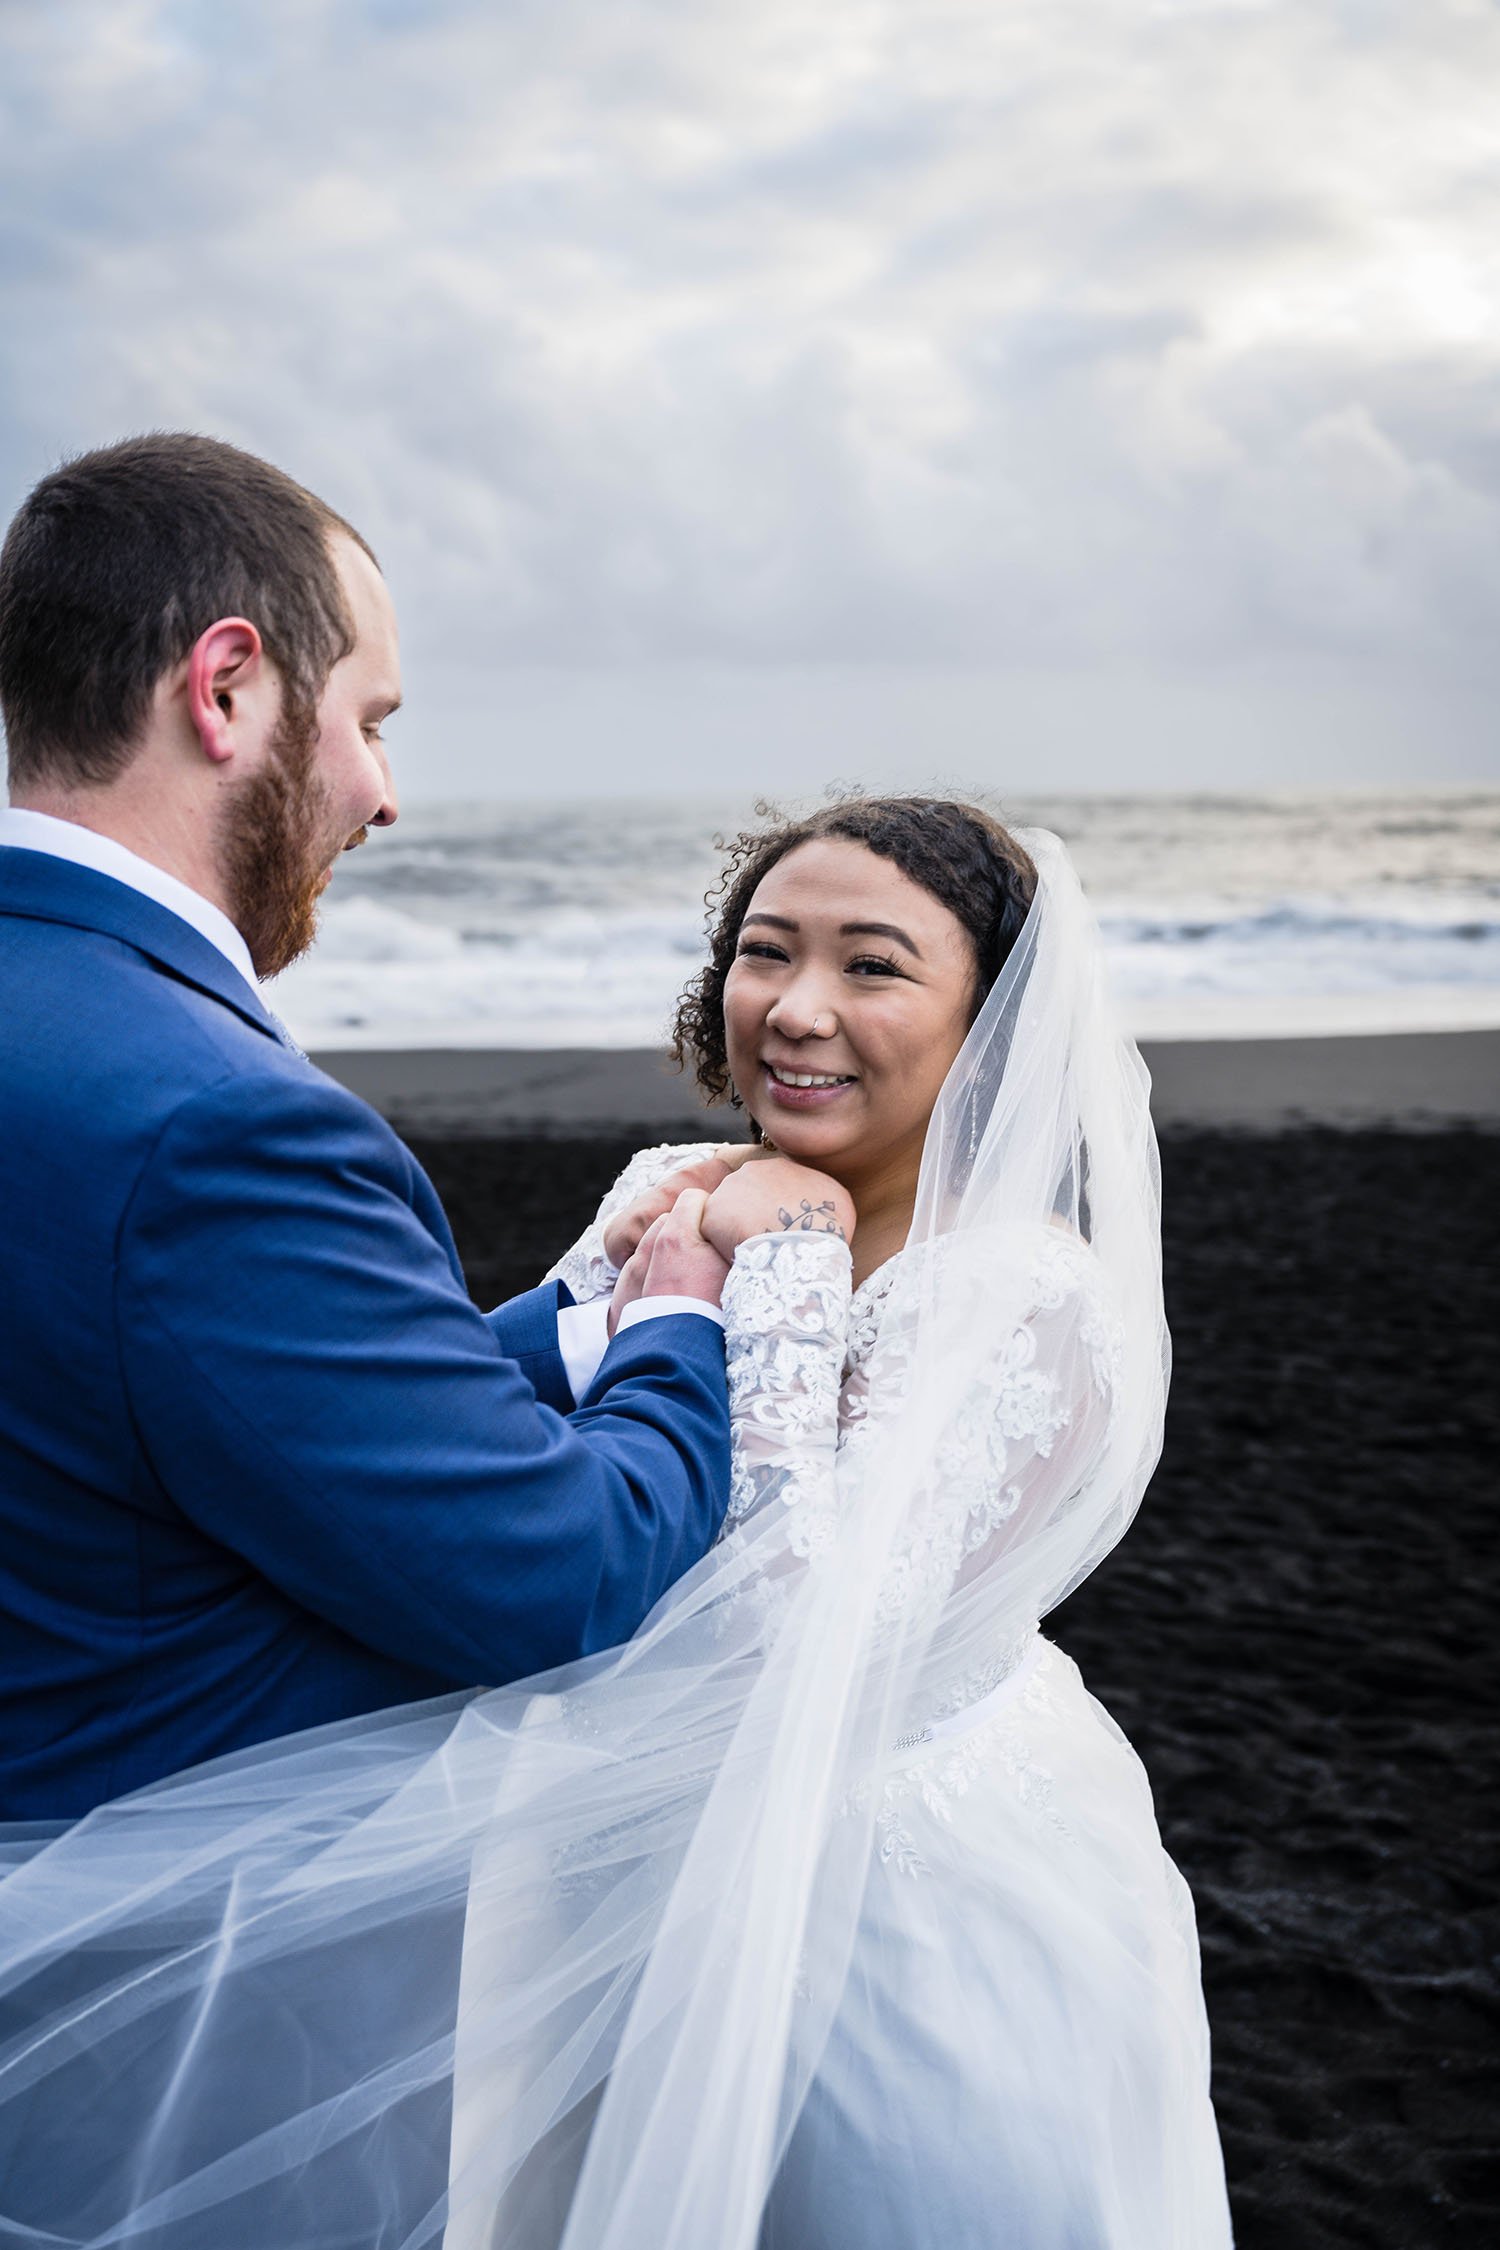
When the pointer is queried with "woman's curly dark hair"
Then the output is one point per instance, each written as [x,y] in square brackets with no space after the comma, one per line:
[958,852]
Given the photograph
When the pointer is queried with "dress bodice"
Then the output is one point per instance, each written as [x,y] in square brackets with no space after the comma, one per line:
[818,1370]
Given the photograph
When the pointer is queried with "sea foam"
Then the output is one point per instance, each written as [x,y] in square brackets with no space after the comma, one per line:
[577,926]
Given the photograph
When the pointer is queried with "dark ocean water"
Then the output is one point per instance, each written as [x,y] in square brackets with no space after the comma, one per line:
[575,925]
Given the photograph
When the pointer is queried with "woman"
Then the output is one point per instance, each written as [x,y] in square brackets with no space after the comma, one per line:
[831,1911]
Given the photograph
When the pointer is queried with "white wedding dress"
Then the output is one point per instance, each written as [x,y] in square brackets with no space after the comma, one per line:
[828,1914]
[1021,2054]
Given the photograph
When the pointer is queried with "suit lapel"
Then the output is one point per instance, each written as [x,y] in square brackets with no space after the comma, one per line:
[40,888]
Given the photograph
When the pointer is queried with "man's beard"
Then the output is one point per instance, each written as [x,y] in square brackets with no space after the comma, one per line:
[271,855]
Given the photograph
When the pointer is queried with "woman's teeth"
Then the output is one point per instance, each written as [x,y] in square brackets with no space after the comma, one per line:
[805,1078]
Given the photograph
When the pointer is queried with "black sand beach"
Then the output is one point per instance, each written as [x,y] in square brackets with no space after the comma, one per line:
[1425,1079]
[1297,1633]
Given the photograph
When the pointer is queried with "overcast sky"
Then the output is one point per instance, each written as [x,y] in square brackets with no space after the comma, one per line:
[1033,393]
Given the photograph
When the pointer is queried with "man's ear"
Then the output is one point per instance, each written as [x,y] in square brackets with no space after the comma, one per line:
[227,670]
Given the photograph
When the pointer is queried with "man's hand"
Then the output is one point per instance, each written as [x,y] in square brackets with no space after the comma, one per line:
[773,1196]
[623,1233]
[672,1259]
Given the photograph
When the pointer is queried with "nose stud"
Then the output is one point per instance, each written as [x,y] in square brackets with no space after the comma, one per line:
[815,1023]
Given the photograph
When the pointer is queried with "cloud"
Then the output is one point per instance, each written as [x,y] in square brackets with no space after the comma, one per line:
[1069,333]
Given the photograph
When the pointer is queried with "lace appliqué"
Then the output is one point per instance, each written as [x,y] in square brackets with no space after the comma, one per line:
[585,1269]
[786,1306]
[1065,1269]
[962,1693]
[1015,1409]
[815,1373]
[945,1773]
[795,1397]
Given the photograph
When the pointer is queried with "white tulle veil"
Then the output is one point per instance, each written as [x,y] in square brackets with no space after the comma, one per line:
[554,1964]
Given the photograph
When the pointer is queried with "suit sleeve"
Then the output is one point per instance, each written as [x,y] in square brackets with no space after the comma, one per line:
[315,1391]
[525,1328]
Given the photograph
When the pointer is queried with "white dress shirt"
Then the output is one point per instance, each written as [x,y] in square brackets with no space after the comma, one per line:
[64,839]
[582,1330]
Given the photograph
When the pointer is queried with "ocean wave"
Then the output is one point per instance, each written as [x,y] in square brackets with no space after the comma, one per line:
[1387,920]
[557,926]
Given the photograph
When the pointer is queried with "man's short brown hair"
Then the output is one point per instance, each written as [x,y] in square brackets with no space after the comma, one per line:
[116,564]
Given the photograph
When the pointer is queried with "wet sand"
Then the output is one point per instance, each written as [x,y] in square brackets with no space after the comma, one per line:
[1406,1078]
[1297,1634]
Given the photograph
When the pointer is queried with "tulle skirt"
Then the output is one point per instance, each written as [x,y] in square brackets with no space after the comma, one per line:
[285,2059]
[1020,2061]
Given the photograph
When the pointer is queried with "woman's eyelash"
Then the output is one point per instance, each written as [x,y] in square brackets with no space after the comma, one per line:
[758,949]
[880,964]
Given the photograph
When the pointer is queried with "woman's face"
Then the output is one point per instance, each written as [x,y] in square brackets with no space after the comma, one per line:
[850,975]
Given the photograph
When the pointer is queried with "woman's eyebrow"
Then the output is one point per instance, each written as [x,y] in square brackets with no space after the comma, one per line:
[879,929]
[846,929]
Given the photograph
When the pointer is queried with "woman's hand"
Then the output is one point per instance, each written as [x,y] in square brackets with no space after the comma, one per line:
[775,1196]
[624,1232]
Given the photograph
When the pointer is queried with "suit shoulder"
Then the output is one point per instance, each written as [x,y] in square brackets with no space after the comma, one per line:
[281,1108]
[117,1020]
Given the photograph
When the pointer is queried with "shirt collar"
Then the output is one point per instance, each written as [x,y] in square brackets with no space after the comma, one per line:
[64,839]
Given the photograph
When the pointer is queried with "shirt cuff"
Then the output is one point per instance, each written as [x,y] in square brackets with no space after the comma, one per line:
[653,1308]
[583,1331]
[582,1335]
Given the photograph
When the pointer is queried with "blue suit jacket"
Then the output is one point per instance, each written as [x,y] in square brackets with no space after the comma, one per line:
[262,1464]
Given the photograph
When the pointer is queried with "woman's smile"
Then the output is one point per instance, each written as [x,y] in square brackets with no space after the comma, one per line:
[791,1085]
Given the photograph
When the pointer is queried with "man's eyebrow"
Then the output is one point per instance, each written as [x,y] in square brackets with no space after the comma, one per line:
[384,705]
[880,929]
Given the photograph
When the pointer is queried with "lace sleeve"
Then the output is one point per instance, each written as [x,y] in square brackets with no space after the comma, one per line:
[1022,1443]
[585,1269]
[786,1311]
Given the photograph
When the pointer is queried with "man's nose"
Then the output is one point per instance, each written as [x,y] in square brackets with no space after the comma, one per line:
[389,804]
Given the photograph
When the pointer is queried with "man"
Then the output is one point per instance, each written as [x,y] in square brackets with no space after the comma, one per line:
[262,1464]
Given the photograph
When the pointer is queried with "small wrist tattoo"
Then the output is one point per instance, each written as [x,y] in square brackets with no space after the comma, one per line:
[811,1218]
